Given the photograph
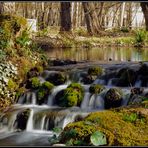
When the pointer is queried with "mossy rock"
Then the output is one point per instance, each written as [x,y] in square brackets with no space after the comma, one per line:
[113,98]
[43,92]
[143,70]
[119,130]
[98,71]
[57,78]
[82,131]
[96,88]
[71,96]
[33,83]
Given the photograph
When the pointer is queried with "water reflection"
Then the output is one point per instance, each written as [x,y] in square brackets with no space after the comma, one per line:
[96,54]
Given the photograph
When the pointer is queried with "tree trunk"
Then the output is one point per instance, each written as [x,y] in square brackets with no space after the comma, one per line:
[144,6]
[87,17]
[65,16]
[1,7]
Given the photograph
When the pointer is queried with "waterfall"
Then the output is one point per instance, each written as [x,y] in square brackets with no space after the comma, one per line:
[99,103]
[54,92]
[99,81]
[33,98]
[30,121]
[85,101]
[92,101]
[43,122]
[69,118]
[138,83]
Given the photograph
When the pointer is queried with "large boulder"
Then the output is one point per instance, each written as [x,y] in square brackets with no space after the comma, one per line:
[113,98]
[71,96]
[127,77]
[57,78]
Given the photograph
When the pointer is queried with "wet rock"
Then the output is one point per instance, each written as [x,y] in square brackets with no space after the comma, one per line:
[135,100]
[113,98]
[144,81]
[137,90]
[143,70]
[62,62]
[96,88]
[43,92]
[22,119]
[88,79]
[57,78]
[127,77]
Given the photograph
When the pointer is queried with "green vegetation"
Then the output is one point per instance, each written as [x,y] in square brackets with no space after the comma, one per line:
[119,133]
[71,96]
[96,88]
[95,71]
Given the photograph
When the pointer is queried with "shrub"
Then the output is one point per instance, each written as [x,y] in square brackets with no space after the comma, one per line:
[140,37]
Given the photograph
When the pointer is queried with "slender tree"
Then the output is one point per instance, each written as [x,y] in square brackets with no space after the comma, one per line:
[144,6]
[1,7]
[65,16]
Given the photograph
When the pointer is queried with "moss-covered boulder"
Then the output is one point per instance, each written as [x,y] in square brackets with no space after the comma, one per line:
[71,96]
[33,83]
[97,71]
[121,127]
[22,118]
[57,78]
[43,92]
[96,88]
[127,77]
[113,98]
[91,75]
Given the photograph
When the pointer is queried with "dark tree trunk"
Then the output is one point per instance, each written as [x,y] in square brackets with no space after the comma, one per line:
[65,16]
[1,7]
[144,6]
[87,17]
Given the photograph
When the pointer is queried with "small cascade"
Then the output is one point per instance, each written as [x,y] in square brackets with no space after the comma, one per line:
[86,99]
[99,81]
[99,103]
[125,98]
[30,121]
[92,101]
[33,98]
[43,122]
[54,92]
[138,83]
[110,82]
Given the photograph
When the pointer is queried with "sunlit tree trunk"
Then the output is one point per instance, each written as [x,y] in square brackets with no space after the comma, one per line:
[144,6]
[65,16]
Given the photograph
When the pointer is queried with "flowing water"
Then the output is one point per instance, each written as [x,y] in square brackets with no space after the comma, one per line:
[42,119]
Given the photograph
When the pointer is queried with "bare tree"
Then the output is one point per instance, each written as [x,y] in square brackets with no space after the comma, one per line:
[144,6]
[65,16]
[1,7]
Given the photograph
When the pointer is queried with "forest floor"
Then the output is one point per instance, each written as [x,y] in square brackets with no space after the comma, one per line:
[54,39]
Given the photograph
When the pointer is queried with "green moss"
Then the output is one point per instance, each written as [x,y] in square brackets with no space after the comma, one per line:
[112,123]
[95,71]
[44,90]
[35,82]
[96,88]
[12,85]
